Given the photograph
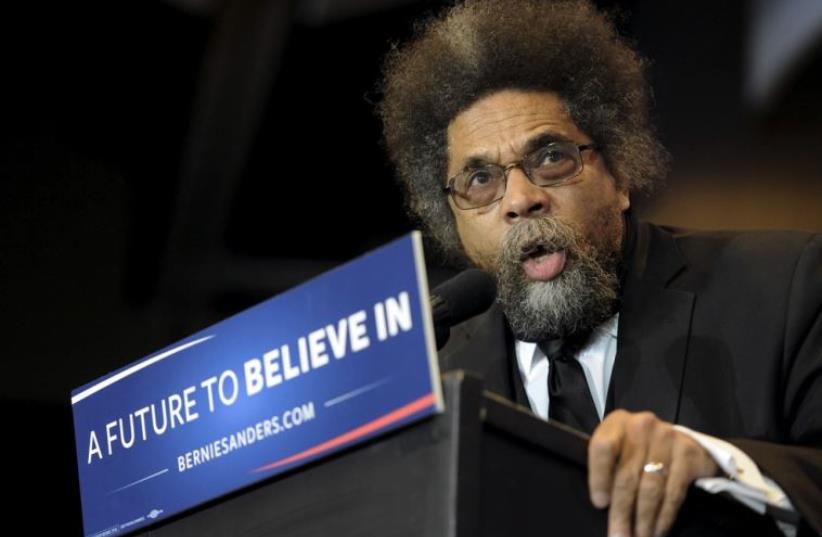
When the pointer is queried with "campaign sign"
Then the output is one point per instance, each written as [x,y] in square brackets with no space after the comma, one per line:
[340,359]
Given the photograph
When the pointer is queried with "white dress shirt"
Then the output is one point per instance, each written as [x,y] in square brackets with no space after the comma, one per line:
[746,482]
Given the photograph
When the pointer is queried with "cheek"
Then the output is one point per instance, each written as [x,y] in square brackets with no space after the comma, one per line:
[594,202]
[602,223]
[481,242]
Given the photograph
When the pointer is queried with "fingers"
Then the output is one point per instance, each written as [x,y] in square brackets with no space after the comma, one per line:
[653,485]
[638,431]
[603,450]
[688,462]
[642,503]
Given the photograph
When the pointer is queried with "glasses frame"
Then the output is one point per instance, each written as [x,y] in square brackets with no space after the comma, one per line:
[527,170]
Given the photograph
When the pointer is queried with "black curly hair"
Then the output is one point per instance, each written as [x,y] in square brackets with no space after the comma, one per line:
[478,47]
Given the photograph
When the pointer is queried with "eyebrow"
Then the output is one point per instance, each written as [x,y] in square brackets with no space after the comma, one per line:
[538,141]
[541,140]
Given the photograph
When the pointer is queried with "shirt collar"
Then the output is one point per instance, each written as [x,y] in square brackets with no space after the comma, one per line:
[529,354]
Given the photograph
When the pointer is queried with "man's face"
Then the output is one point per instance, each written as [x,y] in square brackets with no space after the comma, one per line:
[553,249]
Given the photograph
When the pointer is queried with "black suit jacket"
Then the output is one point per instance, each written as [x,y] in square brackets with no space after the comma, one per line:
[720,332]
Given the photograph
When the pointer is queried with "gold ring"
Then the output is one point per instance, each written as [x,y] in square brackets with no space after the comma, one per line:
[655,468]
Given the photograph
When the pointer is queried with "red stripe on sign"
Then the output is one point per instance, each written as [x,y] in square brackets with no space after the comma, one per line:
[363,430]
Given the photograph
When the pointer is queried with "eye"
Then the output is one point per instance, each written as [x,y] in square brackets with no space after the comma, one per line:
[553,156]
[479,178]
[554,163]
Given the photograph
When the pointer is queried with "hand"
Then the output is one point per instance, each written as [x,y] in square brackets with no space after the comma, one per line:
[619,449]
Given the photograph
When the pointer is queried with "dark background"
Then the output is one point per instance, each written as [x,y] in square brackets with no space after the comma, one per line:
[165,164]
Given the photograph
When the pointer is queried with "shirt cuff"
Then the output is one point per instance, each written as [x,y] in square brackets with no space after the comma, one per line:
[744,482]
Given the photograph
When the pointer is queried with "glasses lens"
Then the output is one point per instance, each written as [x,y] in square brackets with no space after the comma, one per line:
[478,187]
[554,163]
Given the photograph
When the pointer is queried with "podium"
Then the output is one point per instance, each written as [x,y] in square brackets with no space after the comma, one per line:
[483,468]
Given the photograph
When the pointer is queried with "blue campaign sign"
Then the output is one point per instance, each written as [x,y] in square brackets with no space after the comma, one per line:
[340,359]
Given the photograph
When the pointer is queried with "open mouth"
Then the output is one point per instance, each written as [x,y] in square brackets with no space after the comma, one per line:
[541,262]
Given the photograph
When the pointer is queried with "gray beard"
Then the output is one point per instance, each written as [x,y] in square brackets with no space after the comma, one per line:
[578,300]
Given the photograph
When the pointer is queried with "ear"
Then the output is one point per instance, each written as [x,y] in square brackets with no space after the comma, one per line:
[624,198]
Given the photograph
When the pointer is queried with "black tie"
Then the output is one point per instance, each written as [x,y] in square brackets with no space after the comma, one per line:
[569,398]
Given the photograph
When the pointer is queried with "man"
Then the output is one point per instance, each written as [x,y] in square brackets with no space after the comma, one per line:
[520,129]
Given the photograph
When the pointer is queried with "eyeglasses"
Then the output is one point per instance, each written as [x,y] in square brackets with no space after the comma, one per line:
[550,165]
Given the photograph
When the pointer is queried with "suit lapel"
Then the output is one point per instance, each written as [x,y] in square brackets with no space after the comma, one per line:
[654,328]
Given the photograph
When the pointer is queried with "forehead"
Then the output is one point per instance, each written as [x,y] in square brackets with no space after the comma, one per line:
[498,127]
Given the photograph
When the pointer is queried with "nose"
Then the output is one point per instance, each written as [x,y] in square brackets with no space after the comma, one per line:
[523,199]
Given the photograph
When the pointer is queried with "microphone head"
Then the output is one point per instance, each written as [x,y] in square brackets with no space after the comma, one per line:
[467,294]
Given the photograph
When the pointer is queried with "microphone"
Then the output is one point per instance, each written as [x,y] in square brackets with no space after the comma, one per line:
[467,294]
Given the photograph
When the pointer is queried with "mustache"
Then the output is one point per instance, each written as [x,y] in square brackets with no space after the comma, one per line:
[537,234]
